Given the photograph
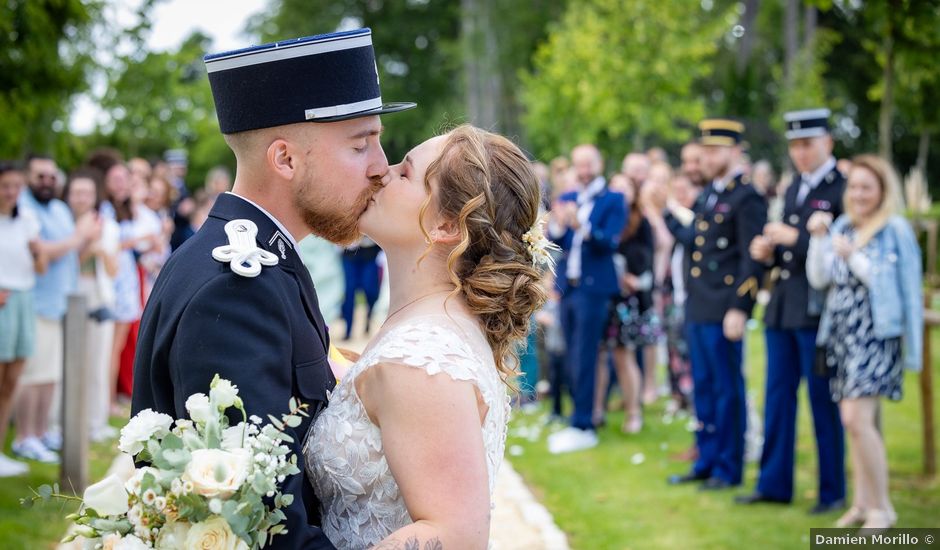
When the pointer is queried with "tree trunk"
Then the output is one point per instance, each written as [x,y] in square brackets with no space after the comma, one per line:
[923,150]
[886,117]
[481,69]
[749,22]
[809,24]
[791,29]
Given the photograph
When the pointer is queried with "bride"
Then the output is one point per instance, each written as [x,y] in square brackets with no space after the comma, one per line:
[406,454]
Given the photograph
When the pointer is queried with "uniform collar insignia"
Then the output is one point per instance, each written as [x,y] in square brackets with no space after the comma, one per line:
[242,253]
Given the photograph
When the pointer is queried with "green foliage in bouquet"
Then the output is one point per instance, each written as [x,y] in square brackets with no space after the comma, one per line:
[208,484]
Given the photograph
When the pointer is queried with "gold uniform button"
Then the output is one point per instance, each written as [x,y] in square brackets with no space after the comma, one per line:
[697,256]
[700,240]
[696,272]
[702,225]
[719,218]
[729,280]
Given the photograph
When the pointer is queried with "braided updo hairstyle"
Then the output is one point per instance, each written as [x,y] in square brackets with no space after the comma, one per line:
[486,185]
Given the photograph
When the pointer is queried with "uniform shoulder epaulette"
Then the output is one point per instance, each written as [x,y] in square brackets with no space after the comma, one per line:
[241,253]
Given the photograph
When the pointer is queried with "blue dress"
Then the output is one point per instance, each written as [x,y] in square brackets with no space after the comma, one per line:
[865,366]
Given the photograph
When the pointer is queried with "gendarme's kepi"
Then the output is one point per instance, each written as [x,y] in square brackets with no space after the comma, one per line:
[323,78]
[807,123]
[720,131]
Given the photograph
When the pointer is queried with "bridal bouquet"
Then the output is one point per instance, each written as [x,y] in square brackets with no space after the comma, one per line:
[209,485]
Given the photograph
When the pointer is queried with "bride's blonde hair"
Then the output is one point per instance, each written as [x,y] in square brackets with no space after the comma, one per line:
[486,184]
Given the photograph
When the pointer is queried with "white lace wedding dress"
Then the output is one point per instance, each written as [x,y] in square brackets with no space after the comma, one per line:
[361,502]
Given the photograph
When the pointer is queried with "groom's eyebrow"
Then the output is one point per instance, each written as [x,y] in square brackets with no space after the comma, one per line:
[369,132]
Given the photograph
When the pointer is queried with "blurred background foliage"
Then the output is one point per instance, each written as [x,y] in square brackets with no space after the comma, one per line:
[625,74]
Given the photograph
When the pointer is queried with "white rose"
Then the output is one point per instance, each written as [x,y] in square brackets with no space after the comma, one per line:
[130,542]
[109,542]
[173,535]
[214,534]
[217,473]
[198,407]
[223,394]
[141,428]
[107,497]
[232,436]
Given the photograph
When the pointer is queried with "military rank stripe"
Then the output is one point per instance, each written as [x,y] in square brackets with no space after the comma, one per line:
[750,285]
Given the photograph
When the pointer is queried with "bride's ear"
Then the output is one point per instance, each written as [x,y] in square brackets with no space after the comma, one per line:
[447,232]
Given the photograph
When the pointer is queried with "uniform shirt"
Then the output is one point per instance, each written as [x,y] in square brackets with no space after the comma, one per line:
[811,180]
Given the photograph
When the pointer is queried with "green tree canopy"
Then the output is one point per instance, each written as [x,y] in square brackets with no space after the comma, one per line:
[620,74]
[44,60]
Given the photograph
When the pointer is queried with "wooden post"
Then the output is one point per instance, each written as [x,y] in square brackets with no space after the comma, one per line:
[931,320]
[73,476]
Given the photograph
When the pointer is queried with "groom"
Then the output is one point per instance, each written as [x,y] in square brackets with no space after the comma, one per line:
[302,118]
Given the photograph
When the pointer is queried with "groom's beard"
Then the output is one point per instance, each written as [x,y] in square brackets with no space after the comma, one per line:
[334,222]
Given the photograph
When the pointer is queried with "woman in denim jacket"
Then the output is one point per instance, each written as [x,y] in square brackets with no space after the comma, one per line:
[871,326]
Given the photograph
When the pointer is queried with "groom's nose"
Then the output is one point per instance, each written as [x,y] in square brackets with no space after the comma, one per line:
[378,167]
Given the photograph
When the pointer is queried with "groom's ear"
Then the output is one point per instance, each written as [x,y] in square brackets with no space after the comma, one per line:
[447,232]
[279,157]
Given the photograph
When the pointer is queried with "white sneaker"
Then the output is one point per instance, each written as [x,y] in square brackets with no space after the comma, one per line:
[103,433]
[33,449]
[10,467]
[570,440]
[52,440]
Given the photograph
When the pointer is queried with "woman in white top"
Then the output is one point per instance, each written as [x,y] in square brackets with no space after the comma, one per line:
[19,250]
[98,265]
[406,454]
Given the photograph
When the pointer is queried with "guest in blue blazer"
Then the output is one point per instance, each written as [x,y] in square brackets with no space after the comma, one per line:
[586,224]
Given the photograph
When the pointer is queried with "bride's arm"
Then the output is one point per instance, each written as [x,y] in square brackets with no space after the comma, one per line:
[434,446]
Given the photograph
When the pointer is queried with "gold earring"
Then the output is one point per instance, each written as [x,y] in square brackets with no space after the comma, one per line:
[427,240]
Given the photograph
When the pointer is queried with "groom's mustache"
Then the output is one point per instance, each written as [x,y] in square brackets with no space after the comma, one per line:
[376,183]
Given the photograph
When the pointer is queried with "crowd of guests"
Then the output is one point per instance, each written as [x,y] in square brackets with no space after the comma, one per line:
[103,230]
[658,273]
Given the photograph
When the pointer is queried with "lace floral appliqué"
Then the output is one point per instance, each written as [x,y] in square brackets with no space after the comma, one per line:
[360,500]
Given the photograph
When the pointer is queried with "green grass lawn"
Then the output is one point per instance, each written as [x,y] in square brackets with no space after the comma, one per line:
[43,525]
[616,497]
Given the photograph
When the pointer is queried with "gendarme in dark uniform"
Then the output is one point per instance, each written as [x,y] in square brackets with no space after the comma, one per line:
[235,299]
[791,321]
[720,276]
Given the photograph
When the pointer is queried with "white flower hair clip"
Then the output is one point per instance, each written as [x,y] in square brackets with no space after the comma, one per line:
[539,247]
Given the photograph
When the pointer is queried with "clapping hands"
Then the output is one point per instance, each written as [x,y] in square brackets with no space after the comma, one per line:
[818,223]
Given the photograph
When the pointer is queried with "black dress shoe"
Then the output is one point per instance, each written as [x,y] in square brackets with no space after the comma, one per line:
[757,497]
[822,508]
[686,478]
[715,484]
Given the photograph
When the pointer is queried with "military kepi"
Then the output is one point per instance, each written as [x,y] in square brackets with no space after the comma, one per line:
[323,78]
[720,131]
[807,123]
